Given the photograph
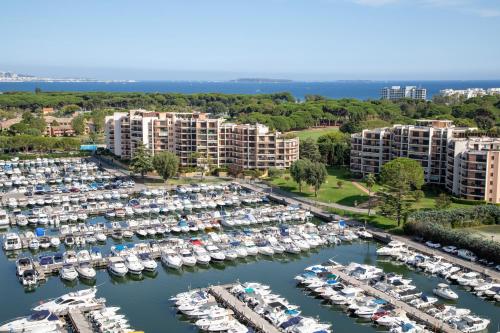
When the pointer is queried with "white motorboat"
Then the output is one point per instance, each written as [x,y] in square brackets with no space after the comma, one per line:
[188,258]
[215,253]
[117,267]
[391,249]
[34,244]
[469,323]
[134,265]
[4,219]
[86,271]
[170,259]
[23,264]
[444,291]
[468,279]
[38,322]
[29,278]
[202,256]
[101,237]
[12,242]
[68,273]
[55,242]
[149,264]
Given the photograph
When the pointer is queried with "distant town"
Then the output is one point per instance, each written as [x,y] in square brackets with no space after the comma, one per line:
[15,77]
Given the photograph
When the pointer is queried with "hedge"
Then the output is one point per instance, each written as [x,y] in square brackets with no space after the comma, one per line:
[482,247]
[438,226]
[460,217]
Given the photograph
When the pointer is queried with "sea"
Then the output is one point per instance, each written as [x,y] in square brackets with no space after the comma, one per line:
[363,90]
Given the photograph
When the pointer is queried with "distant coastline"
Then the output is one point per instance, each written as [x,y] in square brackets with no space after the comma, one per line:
[261,80]
[11,77]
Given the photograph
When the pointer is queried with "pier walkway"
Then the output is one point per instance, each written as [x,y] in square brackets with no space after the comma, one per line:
[411,312]
[79,322]
[241,310]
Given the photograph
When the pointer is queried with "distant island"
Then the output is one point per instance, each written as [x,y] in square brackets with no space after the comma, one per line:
[261,80]
[15,77]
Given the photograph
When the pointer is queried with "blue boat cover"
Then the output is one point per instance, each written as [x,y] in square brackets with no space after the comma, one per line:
[291,322]
[39,232]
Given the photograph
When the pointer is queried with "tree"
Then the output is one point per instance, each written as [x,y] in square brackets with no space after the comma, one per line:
[166,164]
[399,177]
[340,183]
[443,201]
[274,173]
[334,148]
[369,183]
[309,150]
[298,171]
[418,195]
[78,124]
[316,175]
[141,161]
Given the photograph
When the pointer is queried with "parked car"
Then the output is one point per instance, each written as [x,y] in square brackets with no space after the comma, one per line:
[433,245]
[450,249]
[466,254]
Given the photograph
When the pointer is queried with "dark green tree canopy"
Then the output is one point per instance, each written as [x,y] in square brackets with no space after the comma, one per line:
[166,164]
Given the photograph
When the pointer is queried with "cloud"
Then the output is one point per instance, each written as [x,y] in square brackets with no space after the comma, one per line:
[482,8]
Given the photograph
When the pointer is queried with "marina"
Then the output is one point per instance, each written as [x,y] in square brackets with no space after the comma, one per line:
[146,244]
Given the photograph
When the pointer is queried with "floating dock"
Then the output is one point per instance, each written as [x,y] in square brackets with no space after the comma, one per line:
[241,310]
[420,316]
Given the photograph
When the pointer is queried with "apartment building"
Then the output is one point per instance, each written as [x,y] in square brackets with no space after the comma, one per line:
[199,140]
[466,166]
[395,93]
[469,92]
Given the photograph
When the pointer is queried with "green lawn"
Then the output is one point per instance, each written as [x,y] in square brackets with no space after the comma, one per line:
[428,202]
[314,133]
[488,231]
[329,192]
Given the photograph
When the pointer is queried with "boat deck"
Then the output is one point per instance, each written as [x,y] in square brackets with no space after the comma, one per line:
[411,312]
[244,313]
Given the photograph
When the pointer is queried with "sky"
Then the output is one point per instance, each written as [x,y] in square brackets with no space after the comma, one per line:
[226,39]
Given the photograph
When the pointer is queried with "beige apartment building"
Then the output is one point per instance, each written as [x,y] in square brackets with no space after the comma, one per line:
[467,166]
[199,140]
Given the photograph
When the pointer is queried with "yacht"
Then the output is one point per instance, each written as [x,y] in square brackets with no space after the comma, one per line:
[444,291]
[76,299]
[117,267]
[38,322]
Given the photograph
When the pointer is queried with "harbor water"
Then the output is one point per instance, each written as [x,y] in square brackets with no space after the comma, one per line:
[145,300]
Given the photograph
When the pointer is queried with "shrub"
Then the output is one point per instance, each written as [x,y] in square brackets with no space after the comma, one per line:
[482,247]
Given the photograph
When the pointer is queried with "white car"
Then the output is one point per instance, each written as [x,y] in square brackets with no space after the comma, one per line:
[450,249]
[433,245]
